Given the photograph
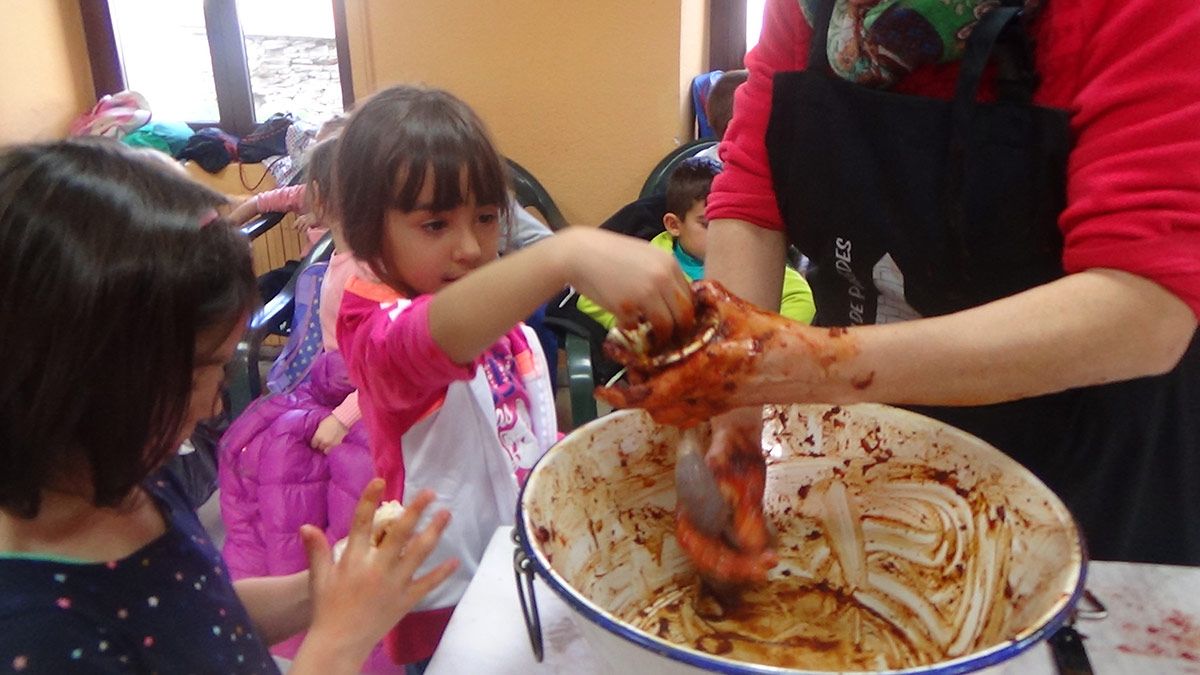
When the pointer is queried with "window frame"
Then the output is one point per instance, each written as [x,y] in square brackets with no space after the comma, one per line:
[726,34]
[226,47]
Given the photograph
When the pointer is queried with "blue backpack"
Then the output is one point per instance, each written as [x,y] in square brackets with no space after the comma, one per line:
[701,85]
[304,342]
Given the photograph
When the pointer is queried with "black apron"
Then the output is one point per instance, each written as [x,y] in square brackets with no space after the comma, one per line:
[911,206]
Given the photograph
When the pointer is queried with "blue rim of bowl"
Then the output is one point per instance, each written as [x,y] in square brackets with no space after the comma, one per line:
[999,653]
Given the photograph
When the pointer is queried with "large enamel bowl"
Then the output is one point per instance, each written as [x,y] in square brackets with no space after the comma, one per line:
[907,546]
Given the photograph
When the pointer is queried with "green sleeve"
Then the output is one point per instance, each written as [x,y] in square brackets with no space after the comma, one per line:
[598,313]
[797,300]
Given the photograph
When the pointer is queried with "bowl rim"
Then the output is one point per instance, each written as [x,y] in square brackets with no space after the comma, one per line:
[998,653]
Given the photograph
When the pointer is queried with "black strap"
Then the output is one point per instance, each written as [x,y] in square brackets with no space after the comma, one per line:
[818,49]
[978,52]
[1016,73]
[975,59]
[1016,82]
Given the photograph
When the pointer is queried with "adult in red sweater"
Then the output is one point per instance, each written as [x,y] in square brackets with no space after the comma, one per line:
[1023,263]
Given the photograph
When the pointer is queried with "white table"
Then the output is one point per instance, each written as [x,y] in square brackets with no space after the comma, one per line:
[1153,624]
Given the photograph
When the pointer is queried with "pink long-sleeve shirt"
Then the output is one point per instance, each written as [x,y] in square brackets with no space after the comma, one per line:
[290,199]
[286,199]
[341,267]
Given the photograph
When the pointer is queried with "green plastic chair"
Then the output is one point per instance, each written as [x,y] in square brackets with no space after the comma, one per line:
[571,337]
[656,182]
[531,194]
[580,382]
[243,377]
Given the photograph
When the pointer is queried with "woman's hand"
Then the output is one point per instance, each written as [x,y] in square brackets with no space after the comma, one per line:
[749,352]
[357,599]
[329,433]
[743,553]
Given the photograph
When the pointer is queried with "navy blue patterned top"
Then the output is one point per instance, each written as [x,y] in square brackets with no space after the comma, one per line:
[169,607]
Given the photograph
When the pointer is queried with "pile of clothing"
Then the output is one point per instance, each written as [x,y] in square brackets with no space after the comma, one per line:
[278,142]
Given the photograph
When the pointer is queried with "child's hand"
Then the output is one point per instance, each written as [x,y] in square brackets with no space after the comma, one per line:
[632,280]
[304,221]
[357,599]
[244,212]
[329,433]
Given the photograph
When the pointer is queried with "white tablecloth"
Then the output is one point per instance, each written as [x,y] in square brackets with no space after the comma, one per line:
[1153,624]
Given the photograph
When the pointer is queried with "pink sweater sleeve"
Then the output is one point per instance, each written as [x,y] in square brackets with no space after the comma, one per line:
[285,199]
[392,354]
[743,190]
[1133,182]
[348,412]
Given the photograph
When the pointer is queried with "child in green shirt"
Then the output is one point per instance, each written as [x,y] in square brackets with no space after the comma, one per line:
[686,236]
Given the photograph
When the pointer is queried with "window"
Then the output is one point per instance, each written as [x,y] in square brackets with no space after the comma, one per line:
[726,34]
[180,87]
[226,62]
[733,29]
[754,21]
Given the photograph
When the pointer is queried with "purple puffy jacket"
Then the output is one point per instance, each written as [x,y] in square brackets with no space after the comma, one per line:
[272,481]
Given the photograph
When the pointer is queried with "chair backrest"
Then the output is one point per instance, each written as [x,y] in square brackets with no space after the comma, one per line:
[531,194]
[245,380]
[258,226]
[656,182]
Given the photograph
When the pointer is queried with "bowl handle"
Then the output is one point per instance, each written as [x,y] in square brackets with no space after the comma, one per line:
[523,572]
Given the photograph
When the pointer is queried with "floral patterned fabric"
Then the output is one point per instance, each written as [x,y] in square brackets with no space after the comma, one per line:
[877,42]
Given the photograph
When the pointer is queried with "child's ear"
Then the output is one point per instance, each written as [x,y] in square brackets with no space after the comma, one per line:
[672,223]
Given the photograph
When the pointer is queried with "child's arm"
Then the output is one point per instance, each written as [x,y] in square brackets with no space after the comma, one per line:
[348,412]
[392,352]
[333,429]
[244,212]
[285,200]
[280,607]
[797,302]
[618,272]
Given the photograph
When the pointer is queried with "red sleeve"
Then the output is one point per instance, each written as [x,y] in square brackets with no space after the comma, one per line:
[743,190]
[1133,190]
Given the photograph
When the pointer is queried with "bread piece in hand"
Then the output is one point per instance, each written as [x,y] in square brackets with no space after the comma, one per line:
[387,512]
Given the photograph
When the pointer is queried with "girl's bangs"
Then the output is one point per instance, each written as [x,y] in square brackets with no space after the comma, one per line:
[471,169]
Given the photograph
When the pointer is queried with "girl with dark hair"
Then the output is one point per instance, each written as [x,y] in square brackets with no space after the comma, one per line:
[120,312]
[452,386]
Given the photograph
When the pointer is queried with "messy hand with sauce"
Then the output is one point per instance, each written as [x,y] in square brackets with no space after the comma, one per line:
[736,355]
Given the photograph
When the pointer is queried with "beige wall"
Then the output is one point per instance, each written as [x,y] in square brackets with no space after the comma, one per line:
[45,77]
[586,94]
